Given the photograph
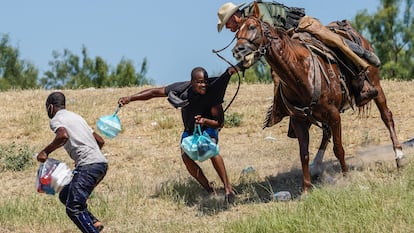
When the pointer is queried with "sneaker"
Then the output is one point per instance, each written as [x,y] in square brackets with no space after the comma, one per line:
[98,225]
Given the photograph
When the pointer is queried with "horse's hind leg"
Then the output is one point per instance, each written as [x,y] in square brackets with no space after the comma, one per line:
[386,116]
[335,125]
[316,165]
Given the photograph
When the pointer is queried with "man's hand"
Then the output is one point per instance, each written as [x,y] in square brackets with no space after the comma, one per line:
[232,71]
[124,100]
[199,120]
[240,66]
[99,140]
[42,156]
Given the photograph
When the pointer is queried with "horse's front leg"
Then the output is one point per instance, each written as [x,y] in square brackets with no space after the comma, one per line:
[338,148]
[386,116]
[316,165]
[301,129]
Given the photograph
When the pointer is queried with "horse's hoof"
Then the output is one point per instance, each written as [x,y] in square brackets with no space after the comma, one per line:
[402,162]
[315,170]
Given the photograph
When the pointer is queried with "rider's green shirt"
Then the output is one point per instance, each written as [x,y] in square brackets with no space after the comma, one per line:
[276,14]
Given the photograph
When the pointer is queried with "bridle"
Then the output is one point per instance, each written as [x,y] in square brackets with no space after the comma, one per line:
[260,48]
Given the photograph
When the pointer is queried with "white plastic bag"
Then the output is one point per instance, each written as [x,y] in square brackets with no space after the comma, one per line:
[52,176]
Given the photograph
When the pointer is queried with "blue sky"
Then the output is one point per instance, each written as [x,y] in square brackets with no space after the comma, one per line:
[174,36]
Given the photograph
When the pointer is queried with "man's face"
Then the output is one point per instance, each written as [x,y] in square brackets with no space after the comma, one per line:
[233,23]
[199,83]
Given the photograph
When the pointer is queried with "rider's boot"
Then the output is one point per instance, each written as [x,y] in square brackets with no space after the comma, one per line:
[364,90]
[369,56]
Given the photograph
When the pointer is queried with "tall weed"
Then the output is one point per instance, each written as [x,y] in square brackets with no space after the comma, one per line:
[15,157]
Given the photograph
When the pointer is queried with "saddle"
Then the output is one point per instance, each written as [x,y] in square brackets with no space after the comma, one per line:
[278,110]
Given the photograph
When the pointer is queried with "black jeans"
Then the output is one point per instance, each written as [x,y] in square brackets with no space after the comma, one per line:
[76,193]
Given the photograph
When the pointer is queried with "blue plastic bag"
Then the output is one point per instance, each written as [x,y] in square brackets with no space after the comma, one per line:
[199,146]
[110,125]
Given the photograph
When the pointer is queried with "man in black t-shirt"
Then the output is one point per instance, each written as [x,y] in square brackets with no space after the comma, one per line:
[200,101]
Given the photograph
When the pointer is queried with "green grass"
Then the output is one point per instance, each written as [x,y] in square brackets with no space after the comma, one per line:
[367,204]
[374,201]
[148,189]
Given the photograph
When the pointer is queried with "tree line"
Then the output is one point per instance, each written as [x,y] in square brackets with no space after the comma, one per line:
[67,71]
[390,30]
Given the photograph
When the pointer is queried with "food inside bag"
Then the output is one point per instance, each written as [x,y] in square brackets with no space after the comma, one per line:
[52,176]
[199,146]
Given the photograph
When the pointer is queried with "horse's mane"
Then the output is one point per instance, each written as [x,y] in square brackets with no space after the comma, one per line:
[291,48]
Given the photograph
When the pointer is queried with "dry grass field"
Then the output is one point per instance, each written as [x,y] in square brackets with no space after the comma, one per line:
[147,188]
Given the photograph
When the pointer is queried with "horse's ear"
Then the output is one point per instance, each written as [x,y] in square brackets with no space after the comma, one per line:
[256,10]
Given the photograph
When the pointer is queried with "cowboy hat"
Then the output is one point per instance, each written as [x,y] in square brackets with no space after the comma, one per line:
[225,12]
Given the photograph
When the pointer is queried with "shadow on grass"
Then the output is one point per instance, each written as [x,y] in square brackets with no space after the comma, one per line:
[250,188]
[189,193]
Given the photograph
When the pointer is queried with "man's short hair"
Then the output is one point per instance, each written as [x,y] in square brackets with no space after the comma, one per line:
[197,69]
[57,99]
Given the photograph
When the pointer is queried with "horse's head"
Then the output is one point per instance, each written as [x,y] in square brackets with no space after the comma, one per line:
[251,39]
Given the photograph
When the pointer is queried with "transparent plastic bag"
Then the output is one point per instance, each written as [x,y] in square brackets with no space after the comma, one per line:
[52,176]
[199,146]
[110,125]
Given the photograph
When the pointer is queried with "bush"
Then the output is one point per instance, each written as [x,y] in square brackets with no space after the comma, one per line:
[233,119]
[15,158]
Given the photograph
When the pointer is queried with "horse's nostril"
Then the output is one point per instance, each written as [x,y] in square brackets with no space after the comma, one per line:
[239,49]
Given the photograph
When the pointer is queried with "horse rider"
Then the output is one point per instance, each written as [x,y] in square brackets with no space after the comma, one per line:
[276,14]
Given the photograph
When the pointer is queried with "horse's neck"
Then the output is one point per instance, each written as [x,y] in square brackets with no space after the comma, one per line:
[287,57]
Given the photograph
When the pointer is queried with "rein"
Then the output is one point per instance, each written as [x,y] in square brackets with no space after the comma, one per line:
[217,52]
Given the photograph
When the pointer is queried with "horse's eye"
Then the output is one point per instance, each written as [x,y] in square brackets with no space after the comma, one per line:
[252,27]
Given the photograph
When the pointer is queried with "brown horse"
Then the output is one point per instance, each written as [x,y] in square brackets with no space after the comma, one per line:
[314,85]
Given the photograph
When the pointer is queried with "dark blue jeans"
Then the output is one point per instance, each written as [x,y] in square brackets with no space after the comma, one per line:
[75,195]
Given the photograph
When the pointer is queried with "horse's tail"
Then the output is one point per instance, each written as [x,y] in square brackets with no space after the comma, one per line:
[268,118]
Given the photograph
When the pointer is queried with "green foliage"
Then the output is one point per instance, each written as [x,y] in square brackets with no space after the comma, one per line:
[125,75]
[391,33]
[258,73]
[15,158]
[14,72]
[233,119]
[68,70]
